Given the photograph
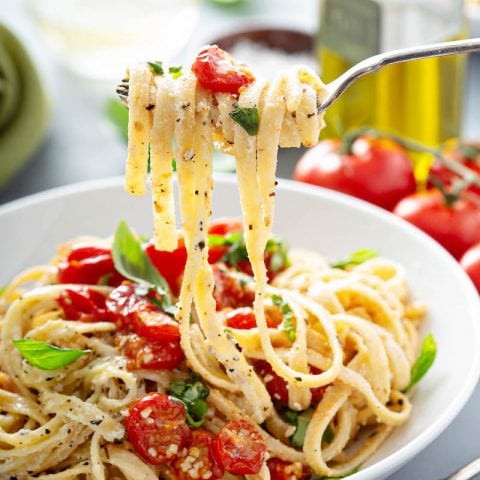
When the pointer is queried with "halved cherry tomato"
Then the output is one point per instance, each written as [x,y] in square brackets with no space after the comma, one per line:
[145,354]
[201,462]
[376,170]
[229,292]
[244,319]
[217,71]
[171,265]
[456,227]
[281,470]
[84,304]
[471,264]
[122,304]
[239,448]
[89,264]
[156,325]
[156,427]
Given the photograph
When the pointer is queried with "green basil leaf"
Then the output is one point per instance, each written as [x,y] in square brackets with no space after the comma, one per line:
[236,253]
[45,356]
[424,361]
[288,326]
[175,71]
[303,420]
[290,416]
[247,118]
[133,263]
[328,435]
[156,67]
[117,113]
[215,240]
[174,164]
[278,250]
[355,258]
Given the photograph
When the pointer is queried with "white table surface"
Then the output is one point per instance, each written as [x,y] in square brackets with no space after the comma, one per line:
[83,145]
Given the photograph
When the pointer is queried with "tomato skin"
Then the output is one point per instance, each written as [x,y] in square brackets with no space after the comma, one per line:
[170,264]
[156,326]
[244,319]
[84,304]
[239,448]
[199,448]
[165,425]
[281,470]
[88,264]
[376,170]
[228,291]
[146,354]
[456,228]
[470,262]
[216,70]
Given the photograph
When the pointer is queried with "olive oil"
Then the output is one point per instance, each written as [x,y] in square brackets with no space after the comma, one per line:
[419,99]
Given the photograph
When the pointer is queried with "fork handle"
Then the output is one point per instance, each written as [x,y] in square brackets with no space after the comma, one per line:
[466,473]
[372,64]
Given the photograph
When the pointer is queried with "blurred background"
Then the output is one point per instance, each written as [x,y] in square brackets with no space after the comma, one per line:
[60,61]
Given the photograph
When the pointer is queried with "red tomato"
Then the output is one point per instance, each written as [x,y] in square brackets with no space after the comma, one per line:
[122,306]
[201,461]
[223,227]
[156,427]
[170,264]
[88,264]
[318,392]
[155,325]
[467,153]
[229,292]
[378,171]
[145,354]
[281,470]
[239,448]
[217,71]
[471,264]
[244,319]
[84,304]
[456,227]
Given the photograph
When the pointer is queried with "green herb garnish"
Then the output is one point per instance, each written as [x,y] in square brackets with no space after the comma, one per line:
[117,113]
[156,67]
[288,316]
[45,356]
[175,71]
[132,262]
[355,258]
[278,250]
[328,435]
[247,118]
[424,361]
[192,393]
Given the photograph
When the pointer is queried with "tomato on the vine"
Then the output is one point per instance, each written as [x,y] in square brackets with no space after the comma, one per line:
[456,226]
[216,70]
[470,262]
[376,170]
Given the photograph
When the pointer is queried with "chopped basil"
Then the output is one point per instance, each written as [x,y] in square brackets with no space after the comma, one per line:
[133,263]
[117,113]
[247,118]
[192,393]
[221,240]
[301,421]
[287,313]
[175,71]
[174,164]
[424,361]
[156,67]
[278,250]
[355,258]
[45,356]
[328,435]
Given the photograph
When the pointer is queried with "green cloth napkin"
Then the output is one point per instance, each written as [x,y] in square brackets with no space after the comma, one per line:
[24,106]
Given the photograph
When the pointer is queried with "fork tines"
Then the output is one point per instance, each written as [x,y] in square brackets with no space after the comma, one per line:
[122,90]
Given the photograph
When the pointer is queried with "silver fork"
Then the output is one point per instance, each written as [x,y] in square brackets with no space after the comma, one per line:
[371,64]
[467,472]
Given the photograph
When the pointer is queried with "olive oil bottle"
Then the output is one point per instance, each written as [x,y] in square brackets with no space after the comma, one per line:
[420,99]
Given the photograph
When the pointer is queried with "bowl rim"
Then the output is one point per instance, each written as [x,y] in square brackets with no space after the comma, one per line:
[406,453]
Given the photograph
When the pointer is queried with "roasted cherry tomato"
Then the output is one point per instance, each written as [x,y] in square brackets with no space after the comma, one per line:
[244,319]
[230,292]
[198,462]
[471,264]
[146,354]
[378,171]
[239,448]
[170,264]
[455,226]
[84,304]
[281,470]
[156,325]
[466,153]
[217,71]
[156,427]
[89,264]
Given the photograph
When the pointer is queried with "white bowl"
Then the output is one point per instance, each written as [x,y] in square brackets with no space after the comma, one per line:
[329,223]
